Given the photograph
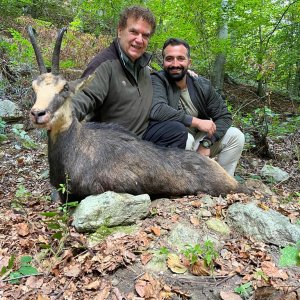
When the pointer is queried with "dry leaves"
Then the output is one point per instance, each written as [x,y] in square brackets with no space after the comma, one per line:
[22,229]
[175,265]
[199,268]
[271,270]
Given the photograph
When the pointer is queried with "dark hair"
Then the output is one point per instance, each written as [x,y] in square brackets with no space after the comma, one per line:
[137,12]
[176,42]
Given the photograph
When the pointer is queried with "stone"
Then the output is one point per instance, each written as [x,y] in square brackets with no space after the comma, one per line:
[102,232]
[204,213]
[257,185]
[110,209]
[9,111]
[275,173]
[207,201]
[182,235]
[218,225]
[268,226]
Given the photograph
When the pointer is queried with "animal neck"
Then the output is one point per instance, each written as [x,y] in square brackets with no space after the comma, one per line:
[62,121]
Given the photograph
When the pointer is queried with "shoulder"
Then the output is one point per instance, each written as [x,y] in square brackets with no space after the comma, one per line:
[159,76]
[108,54]
[199,81]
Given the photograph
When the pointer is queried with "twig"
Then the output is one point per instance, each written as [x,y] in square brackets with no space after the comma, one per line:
[63,290]
[229,277]
[20,277]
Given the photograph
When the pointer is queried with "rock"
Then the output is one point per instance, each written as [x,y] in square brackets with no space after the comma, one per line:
[275,173]
[257,185]
[182,235]
[204,213]
[208,201]
[267,226]
[102,232]
[218,226]
[110,209]
[9,111]
[158,263]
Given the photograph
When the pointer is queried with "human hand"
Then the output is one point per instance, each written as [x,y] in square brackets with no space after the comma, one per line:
[207,126]
[192,74]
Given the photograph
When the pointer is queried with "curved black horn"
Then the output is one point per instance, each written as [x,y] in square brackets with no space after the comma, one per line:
[56,52]
[38,55]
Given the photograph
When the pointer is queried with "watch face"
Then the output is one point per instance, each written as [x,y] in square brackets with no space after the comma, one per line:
[206,143]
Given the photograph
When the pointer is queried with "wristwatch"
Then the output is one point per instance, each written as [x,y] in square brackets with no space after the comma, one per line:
[206,143]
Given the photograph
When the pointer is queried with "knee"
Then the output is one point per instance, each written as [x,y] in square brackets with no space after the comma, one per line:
[236,137]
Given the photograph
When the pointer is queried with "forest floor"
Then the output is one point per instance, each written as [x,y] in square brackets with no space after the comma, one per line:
[115,269]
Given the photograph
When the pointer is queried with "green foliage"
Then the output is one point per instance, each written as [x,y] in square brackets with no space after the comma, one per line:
[24,269]
[267,123]
[260,274]
[19,48]
[290,256]
[164,251]
[57,222]
[24,138]
[206,251]
[244,290]
[21,197]
[3,136]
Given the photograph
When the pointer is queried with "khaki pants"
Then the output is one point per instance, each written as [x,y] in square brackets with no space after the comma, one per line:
[228,150]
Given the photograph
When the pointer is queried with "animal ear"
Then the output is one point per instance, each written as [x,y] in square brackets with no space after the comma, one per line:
[79,84]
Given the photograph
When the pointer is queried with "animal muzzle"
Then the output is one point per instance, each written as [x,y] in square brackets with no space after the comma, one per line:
[39,117]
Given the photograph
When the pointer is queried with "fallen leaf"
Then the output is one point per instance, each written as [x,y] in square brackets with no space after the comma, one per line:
[42,297]
[156,230]
[196,203]
[263,206]
[72,271]
[146,257]
[147,286]
[175,264]
[229,296]
[271,270]
[34,282]
[199,269]
[23,229]
[194,220]
[93,285]
[174,218]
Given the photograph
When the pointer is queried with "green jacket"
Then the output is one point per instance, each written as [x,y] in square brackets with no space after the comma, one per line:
[208,102]
[114,95]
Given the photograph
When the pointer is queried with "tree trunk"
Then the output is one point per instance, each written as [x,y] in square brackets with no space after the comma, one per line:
[296,89]
[219,65]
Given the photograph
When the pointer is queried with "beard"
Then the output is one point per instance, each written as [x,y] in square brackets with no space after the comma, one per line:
[177,76]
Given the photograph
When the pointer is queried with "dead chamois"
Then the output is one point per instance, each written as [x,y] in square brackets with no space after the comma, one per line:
[99,157]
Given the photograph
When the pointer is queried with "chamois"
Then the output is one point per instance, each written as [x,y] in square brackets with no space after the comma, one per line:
[99,157]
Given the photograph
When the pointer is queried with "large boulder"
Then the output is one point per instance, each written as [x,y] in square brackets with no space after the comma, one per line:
[110,209]
[268,226]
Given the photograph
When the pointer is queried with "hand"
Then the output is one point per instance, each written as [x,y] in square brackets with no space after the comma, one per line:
[192,74]
[203,151]
[207,126]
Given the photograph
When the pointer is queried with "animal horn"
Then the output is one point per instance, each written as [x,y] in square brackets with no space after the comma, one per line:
[56,52]
[38,55]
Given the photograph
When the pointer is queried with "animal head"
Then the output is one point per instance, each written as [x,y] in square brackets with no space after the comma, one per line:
[51,89]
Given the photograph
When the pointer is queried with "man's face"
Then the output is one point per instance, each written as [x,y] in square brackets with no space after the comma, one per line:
[134,38]
[176,62]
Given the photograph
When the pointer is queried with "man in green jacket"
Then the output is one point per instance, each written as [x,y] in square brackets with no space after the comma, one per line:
[193,106]
[121,90]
